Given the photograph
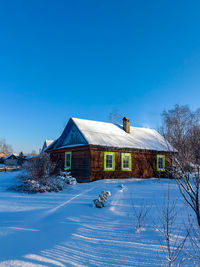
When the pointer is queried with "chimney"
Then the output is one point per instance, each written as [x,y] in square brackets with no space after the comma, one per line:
[126,125]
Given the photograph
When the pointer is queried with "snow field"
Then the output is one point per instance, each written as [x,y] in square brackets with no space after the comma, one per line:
[65,229]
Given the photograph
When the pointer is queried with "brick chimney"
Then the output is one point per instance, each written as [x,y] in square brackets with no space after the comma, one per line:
[126,125]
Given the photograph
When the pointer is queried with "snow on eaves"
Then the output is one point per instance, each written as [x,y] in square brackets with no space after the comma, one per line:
[48,142]
[113,135]
[49,146]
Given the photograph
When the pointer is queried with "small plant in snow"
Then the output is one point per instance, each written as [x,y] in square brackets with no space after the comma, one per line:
[193,252]
[139,216]
[172,241]
[100,202]
[122,186]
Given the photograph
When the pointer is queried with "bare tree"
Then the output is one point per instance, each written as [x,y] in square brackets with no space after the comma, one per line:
[173,243]
[4,147]
[189,188]
[194,235]
[195,241]
[33,153]
[115,117]
[181,128]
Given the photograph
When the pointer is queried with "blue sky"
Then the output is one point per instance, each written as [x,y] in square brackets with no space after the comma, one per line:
[62,59]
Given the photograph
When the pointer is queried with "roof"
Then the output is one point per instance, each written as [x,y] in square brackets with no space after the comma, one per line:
[2,154]
[11,155]
[46,144]
[112,135]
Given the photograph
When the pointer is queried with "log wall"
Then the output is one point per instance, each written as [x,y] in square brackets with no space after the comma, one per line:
[80,168]
[144,164]
[88,163]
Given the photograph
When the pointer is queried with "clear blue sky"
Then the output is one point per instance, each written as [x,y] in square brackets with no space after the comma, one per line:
[62,59]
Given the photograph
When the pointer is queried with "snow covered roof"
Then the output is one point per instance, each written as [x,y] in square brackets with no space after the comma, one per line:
[87,132]
[2,154]
[46,144]
[11,155]
[98,133]
[113,135]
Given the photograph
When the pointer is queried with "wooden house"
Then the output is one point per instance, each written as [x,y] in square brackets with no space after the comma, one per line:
[94,150]
[3,155]
[11,160]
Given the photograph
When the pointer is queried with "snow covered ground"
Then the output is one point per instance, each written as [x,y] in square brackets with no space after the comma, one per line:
[64,229]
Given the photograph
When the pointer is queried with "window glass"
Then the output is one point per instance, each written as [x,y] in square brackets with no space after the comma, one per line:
[160,163]
[68,160]
[109,161]
[126,161]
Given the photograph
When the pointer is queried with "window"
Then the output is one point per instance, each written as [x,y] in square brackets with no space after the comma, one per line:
[126,161]
[68,160]
[160,163]
[109,161]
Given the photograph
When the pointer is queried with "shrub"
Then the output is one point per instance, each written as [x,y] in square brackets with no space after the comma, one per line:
[39,176]
[40,167]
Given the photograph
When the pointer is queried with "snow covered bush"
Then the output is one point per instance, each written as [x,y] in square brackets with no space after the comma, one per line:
[40,167]
[66,175]
[39,176]
[52,184]
[100,202]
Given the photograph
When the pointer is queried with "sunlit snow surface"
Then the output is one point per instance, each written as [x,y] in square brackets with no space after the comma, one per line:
[64,229]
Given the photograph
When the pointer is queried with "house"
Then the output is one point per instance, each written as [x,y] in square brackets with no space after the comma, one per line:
[94,150]
[11,160]
[3,155]
[46,144]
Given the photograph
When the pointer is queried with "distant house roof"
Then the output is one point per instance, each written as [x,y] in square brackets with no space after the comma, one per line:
[13,156]
[46,144]
[2,154]
[112,135]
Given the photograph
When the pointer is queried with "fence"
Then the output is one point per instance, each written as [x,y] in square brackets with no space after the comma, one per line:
[9,168]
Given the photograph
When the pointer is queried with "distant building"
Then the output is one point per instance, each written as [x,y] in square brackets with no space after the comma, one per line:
[46,144]
[3,155]
[11,160]
[94,150]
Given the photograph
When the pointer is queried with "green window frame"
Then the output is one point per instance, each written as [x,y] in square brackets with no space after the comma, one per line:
[160,161]
[108,156]
[68,161]
[123,157]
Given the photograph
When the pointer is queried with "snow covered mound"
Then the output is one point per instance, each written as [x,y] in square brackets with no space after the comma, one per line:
[101,201]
